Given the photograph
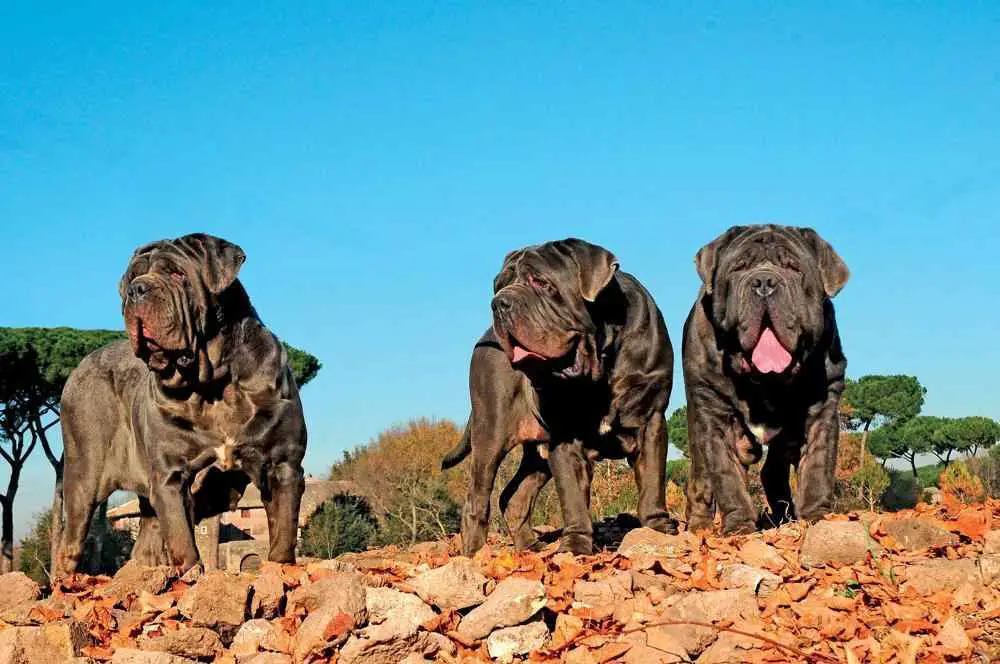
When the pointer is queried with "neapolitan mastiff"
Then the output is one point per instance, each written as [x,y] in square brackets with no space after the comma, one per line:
[577,366]
[197,402]
[763,365]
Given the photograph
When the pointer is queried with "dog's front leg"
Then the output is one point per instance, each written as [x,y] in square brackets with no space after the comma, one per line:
[171,500]
[282,497]
[716,471]
[650,465]
[572,473]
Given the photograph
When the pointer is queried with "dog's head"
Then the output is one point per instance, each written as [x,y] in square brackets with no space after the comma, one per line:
[767,290]
[542,306]
[171,293]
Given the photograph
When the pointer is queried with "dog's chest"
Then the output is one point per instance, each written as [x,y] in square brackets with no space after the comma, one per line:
[220,418]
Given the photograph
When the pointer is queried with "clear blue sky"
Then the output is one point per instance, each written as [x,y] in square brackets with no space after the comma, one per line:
[376,163]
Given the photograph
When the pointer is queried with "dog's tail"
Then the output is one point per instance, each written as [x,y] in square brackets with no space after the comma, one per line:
[457,455]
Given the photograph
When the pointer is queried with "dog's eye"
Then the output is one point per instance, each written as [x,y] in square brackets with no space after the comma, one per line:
[539,284]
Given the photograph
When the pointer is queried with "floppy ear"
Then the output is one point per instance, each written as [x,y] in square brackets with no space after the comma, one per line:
[219,260]
[832,267]
[707,258]
[596,267]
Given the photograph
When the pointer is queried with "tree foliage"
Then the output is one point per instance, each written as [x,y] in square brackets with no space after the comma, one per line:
[677,430]
[341,524]
[399,472]
[874,400]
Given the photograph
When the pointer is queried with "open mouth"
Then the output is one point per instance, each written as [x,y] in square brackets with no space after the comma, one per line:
[769,356]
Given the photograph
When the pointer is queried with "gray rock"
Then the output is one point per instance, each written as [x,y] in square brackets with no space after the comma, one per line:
[512,602]
[344,589]
[992,542]
[930,576]
[190,642]
[268,595]
[912,533]
[54,643]
[845,542]
[256,635]
[708,607]
[134,578]
[456,585]
[604,592]
[131,656]
[504,643]
[221,601]
[393,632]
[648,542]
[17,588]
[759,581]
[759,554]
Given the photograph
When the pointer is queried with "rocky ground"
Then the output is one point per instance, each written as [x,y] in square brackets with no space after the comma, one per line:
[911,587]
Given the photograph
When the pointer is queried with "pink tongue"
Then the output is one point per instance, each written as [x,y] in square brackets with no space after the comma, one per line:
[521,353]
[769,355]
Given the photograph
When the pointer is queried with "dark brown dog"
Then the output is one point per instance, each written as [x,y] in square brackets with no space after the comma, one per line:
[763,365]
[201,386]
[577,366]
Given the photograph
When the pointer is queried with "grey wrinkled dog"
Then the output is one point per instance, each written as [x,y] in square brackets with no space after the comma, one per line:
[195,404]
[763,366]
[577,366]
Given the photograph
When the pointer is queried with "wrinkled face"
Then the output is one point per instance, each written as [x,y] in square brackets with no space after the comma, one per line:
[769,287]
[540,306]
[167,291]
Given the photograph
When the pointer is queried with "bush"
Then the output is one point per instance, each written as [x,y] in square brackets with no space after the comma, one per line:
[342,524]
[904,492]
[987,469]
[869,484]
[928,475]
[613,490]
[678,471]
[961,483]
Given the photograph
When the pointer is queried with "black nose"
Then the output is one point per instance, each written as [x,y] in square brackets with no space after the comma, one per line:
[764,285]
[501,305]
[136,290]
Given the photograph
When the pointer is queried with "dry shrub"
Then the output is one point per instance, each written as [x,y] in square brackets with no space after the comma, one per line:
[958,481]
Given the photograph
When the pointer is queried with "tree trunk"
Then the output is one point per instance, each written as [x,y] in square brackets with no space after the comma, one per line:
[56,528]
[7,532]
[913,464]
[864,443]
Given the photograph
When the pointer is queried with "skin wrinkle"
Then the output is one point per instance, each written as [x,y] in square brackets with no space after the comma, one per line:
[608,404]
[732,410]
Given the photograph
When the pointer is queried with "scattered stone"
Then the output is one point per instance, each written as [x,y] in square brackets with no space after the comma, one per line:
[394,629]
[930,576]
[513,602]
[49,644]
[568,627]
[989,568]
[220,601]
[992,542]
[456,585]
[648,542]
[844,542]
[708,606]
[605,592]
[504,643]
[150,603]
[134,578]
[190,642]
[132,656]
[259,634]
[325,628]
[344,589]
[758,554]
[953,637]
[759,581]
[646,581]
[729,648]
[323,566]
[17,588]
[268,594]
[912,533]
[430,548]
[270,658]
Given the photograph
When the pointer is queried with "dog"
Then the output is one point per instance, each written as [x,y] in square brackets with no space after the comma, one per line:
[763,366]
[195,404]
[576,367]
